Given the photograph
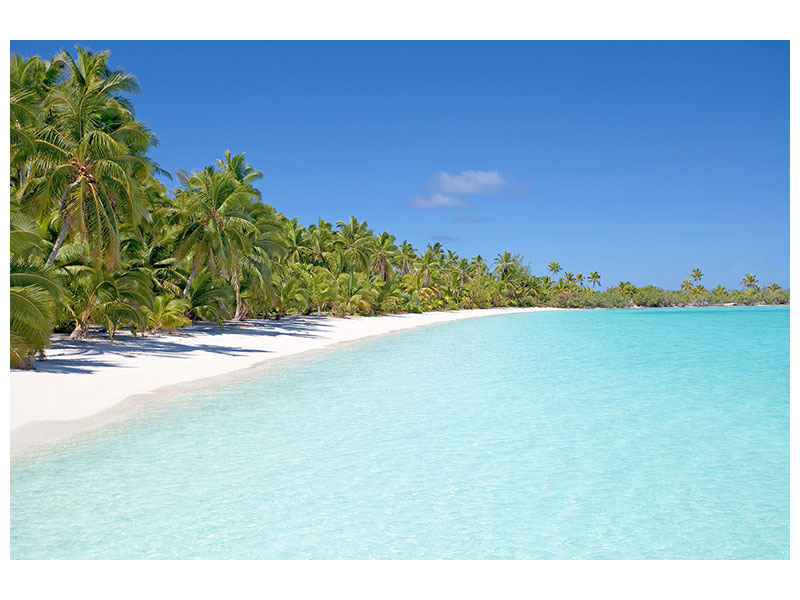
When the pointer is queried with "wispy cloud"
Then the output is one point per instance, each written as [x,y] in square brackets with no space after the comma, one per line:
[436,201]
[469,182]
[446,189]
[471,219]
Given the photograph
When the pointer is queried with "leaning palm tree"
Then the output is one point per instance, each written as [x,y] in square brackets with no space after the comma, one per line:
[90,156]
[750,281]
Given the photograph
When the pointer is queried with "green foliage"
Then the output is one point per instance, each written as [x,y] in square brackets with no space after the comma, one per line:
[167,313]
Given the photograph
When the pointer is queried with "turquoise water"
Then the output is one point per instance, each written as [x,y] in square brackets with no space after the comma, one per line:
[608,434]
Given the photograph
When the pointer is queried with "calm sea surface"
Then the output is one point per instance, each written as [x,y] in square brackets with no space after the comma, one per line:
[613,434]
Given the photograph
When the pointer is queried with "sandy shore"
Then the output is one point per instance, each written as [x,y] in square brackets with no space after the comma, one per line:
[86,384]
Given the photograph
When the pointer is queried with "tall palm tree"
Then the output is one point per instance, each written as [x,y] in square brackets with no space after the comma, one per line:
[215,229]
[90,154]
[426,265]
[504,264]
[594,279]
[750,281]
[319,242]
[554,268]
[406,257]
[383,255]
[356,242]
[697,275]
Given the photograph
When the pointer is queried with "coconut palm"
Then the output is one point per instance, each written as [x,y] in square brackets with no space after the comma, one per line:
[697,275]
[383,255]
[750,281]
[406,257]
[90,156]
[594,279]
[167,312]
[353,293]
[111,299]
[356,242]
[686,286]
[34,295]
[319,242]
[216,231]
[423,275]
[554,268]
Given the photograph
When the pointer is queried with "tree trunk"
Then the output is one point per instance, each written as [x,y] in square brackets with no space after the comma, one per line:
[190,280]
[59,241]
[79,332]
[237,315]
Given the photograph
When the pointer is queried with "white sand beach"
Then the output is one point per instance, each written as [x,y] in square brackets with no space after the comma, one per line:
[84,384]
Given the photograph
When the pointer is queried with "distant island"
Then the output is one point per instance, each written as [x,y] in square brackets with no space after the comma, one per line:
[98,240]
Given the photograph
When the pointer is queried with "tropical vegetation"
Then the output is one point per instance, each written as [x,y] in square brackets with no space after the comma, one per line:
[97,240]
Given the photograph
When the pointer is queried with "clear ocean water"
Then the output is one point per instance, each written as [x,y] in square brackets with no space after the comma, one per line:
[598,434]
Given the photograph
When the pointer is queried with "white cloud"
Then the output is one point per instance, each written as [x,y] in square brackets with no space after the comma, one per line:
[468,182]
[436,200]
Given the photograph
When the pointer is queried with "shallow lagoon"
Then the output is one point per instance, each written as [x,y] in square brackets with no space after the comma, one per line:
[654,433]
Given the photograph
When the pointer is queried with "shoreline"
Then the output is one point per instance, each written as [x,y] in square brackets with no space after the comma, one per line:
[59,401]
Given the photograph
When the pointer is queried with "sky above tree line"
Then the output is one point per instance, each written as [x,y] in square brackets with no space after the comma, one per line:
[640,160]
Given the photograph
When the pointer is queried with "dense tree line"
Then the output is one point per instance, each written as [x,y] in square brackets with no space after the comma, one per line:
[97,240]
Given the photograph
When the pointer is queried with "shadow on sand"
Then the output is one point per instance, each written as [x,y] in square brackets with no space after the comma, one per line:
[80,355]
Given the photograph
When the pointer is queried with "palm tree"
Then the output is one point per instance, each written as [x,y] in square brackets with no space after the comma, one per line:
[594,279]
[426,264]
[112,299]
[406,257]
[167,313]
[294,241]
[697,275]
[90,154]
[319,242]
[750,281]
[554,268]
[34,295]
[384,252]
[356,242]
[504,264]
[353,293]
[241,171]
[686,286]
[215,230]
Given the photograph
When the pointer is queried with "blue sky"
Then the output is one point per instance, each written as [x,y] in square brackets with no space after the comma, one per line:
[640,160]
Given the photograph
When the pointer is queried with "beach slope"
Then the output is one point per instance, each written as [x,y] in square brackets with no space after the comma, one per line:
[85,384]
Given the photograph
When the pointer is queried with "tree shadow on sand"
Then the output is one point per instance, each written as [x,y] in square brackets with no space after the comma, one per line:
[80,355]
